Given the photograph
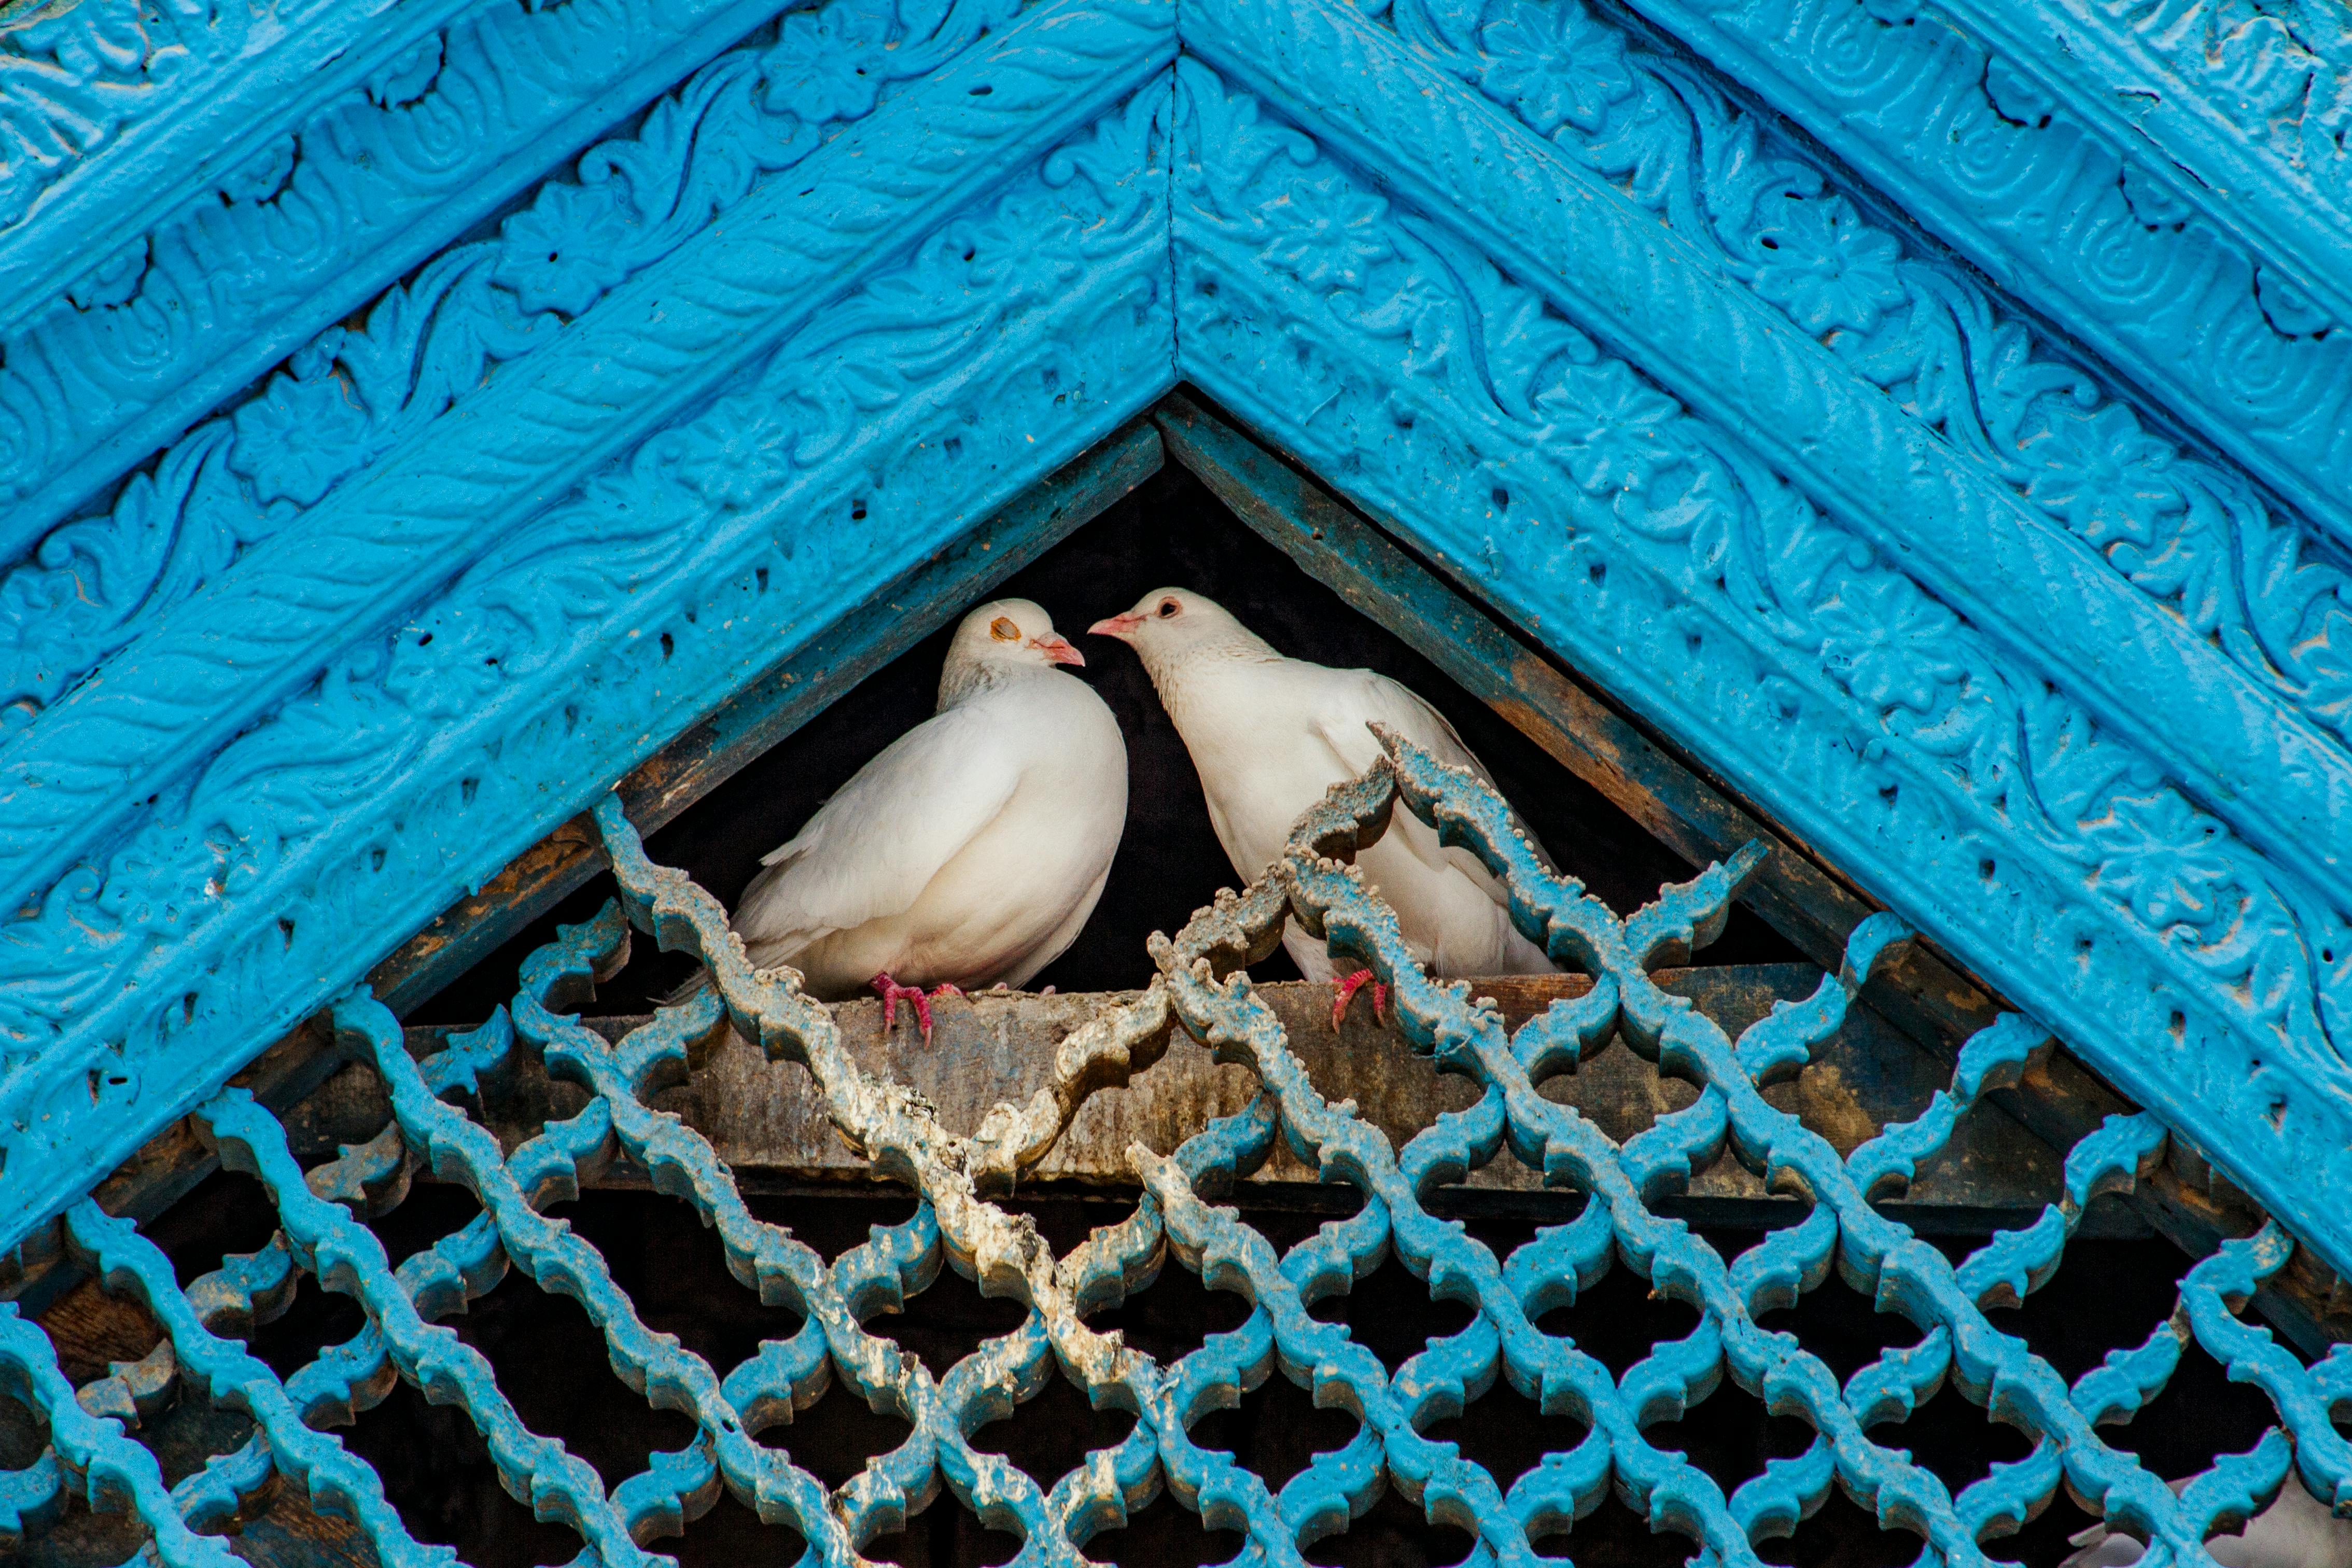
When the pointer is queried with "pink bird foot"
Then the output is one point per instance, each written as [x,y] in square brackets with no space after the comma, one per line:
[1344,991]
[891,991]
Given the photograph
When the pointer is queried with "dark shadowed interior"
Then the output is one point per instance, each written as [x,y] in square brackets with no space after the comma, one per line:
[552,1362]
[1170,532]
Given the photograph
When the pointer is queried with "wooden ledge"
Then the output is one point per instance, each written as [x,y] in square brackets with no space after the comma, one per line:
[767,1120]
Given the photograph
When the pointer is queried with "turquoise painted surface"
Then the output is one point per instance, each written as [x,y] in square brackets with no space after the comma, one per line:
[1509,1294]
[2006,595]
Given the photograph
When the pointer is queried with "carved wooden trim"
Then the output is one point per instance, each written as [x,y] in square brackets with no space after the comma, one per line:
[1963,783]
[2067,151]
[769,1123]
[244,260]
[242,765]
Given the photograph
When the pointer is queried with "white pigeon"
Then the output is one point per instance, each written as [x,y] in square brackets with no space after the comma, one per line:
[2295,1531]
[972,849]
[1270,734]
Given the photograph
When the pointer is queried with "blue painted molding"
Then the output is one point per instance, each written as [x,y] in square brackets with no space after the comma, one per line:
[255,259]
[574,644]
[117,115]
[2106,198]
[1941,591]
[1658,549]
[347,396]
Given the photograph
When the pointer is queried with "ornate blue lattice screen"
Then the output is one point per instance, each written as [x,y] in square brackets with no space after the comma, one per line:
[742,1442]
[377,380]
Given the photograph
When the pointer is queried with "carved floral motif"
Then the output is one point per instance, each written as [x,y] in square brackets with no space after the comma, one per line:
[830,65]
[644,587]
[566,249]
[2096,469]
[302,434]
[2188,531]
[1652,549]
[1817,260]
[348,397]
[1554,64]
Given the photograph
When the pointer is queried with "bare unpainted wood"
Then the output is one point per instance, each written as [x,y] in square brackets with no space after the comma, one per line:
[92,1329]
[763,1116]
[767,1121]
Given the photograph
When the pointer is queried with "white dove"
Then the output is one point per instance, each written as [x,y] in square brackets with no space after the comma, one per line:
[2295,1531]
[1270,734]
[972,849]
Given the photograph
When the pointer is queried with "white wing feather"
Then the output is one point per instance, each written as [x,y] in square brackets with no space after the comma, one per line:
[871,849]
[1371,697]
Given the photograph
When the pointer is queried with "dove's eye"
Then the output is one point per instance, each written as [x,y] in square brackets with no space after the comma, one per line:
[1167,608]
[1003,629]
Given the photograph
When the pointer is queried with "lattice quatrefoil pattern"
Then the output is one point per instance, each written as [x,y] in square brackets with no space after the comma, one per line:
[1202,986]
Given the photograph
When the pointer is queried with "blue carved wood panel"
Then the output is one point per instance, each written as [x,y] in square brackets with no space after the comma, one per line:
[1508,1331]
[1941,444]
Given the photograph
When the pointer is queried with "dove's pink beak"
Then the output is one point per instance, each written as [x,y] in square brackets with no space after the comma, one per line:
[1120,626]
[1059,651]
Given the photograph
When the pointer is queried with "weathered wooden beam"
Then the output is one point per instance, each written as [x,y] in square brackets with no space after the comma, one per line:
[899,614]
[1930,997]
[766,1120]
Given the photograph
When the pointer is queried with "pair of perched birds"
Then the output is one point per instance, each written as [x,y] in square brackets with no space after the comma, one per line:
[972,850]
[969,852]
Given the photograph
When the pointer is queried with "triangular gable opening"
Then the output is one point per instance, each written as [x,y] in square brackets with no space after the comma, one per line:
[1171,529]
[1624,817]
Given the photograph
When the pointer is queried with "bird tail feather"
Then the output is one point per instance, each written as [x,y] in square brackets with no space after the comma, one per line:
[695,984]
